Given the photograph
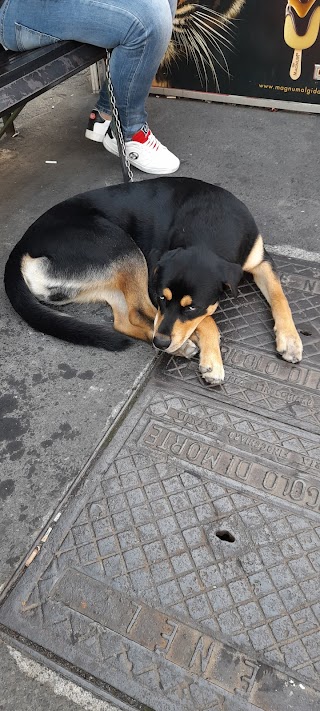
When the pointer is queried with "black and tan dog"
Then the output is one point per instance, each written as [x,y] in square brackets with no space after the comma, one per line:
[161,253]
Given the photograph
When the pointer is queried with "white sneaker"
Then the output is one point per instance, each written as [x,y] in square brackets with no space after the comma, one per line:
[97,126]
[145,152]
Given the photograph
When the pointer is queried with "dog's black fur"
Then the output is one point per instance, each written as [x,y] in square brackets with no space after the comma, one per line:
[195,238]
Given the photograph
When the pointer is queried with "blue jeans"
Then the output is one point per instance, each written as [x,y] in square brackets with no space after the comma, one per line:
[137,31]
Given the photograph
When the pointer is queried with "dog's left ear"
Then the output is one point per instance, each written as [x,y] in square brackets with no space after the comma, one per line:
[231,275]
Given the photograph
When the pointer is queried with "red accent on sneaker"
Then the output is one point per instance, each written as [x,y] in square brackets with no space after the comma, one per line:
[92,115]
[141,136]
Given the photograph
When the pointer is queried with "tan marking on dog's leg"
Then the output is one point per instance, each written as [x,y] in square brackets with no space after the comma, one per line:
[256,255]
[149,309]
[121,322]
[141,309]
[208,337]
[139,321]
[288,341]
[141,312]
[124,326]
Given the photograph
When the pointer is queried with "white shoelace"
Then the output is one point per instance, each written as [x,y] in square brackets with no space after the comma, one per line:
[152,142]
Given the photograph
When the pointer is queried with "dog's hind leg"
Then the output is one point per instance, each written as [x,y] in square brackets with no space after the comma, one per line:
[125,288]
[288,341]
[208,338]
[133,313]
[121,320]
[141,312]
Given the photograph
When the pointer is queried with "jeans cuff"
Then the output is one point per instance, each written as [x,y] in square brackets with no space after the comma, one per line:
[104,107]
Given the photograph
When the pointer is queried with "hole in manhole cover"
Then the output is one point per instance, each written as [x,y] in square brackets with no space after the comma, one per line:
[225,536]
[306,333]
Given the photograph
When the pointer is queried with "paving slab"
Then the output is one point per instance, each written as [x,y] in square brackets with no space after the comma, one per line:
[184,570]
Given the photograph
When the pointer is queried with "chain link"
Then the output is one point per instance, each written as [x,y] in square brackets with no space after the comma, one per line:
[116,124]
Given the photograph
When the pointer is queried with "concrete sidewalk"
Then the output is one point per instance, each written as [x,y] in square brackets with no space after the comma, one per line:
[56,400]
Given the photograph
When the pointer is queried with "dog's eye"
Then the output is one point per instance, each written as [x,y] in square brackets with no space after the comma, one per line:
[162,298]
[190,308]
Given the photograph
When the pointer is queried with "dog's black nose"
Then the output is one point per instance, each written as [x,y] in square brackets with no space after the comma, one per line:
[161,341]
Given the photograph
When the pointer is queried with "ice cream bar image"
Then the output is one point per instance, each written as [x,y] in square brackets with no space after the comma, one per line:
[301,29]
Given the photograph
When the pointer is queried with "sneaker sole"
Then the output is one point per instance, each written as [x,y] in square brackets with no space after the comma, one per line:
[135,164]
[98,138]
[109,146]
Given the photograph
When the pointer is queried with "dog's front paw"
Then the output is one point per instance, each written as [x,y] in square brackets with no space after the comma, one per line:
[187,350]
[289,345]
[212,373]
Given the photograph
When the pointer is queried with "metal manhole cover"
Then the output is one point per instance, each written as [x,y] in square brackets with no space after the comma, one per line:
[185,572]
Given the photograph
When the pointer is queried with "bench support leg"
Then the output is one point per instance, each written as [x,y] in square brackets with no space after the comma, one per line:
[8,122]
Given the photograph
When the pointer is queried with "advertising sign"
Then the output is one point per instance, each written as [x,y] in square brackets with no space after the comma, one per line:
[263,52]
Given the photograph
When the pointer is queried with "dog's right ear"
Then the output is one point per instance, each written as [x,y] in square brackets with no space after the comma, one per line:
[167,256]
[160,262]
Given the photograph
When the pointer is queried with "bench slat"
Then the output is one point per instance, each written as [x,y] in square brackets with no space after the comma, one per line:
[25,75]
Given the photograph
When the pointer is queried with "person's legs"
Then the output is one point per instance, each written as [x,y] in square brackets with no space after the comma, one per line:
[138,32]
[103,104]
[101,115]
[134,63]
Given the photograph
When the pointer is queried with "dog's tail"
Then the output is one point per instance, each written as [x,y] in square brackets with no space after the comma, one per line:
[52,322]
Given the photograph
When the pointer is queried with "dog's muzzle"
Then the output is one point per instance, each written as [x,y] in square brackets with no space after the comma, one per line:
[161,341]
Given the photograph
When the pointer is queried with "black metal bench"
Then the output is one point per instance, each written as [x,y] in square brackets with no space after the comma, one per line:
[25,75]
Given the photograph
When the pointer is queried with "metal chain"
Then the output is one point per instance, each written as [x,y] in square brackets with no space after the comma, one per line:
[116,125]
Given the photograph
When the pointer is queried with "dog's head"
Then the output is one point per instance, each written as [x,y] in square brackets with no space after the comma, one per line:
[188,284]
